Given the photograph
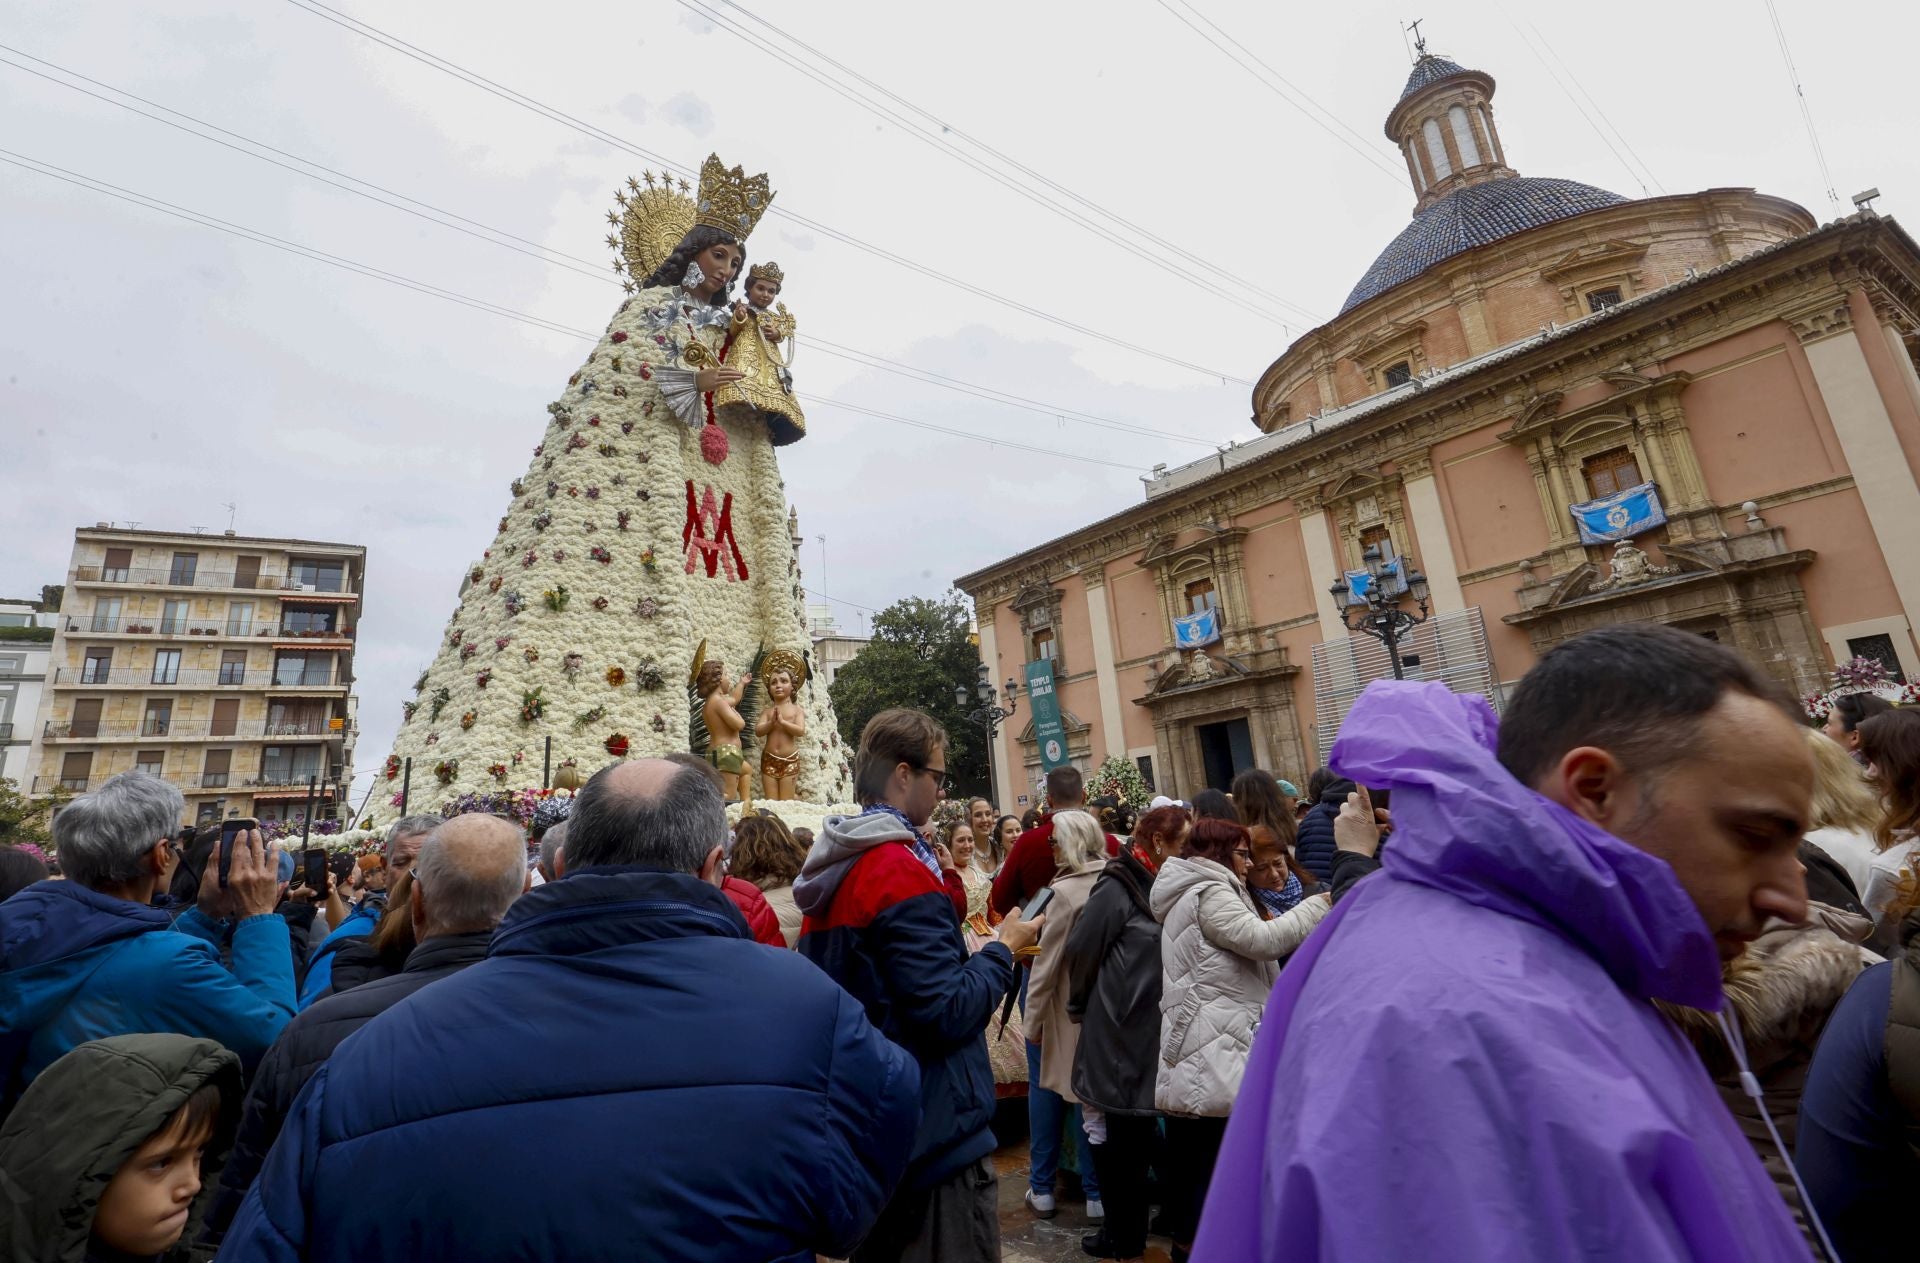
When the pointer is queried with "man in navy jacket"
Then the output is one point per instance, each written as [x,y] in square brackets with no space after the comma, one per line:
[626,1075]
[879,921]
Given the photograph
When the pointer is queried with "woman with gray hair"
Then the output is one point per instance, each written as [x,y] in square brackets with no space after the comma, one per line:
[91,956]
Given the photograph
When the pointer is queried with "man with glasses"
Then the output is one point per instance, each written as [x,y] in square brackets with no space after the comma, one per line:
[878,920]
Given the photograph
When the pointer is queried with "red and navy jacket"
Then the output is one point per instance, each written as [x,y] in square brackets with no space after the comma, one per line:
[889,936]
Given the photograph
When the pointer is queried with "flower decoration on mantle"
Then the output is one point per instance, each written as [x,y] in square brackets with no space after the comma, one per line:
[527,560]
[433,738]
[420,685]
[593,493]
[571,664]
[617,745]
[601,602]
[469,719]
[440,699]
[445,770]
[530,654]
[659,722]
[553,489]
[476,575]
[519,757]
[493,585]
[646,607]
[542,520]
[393,767]
[608,449]
[648,676]
[616,676]
[648,560]
[533,704]
[485,677]
[501,642]
[498,772]
[468,650]
[713,444]
[515,602]
[622,518]
[557,596]
[518,488]
[591,715]
[409,708]
[600,555]
[559,554]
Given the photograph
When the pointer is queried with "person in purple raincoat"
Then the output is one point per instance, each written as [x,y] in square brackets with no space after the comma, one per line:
[1464,1062]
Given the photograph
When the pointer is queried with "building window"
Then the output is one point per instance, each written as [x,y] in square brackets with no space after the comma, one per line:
[86,717]
[240,618]
[158,719]
[166,666]
[152,762]
[1610,472]
[1043,645]
[233,666]
[292,670]
[185,565]
[214,775]
[106,614]
[99,664]
[1145,763]
[1399,374]
[1601,299]
[114,570]
[1436,149]
[1377,537]
[174,621]
[226,717]
[74,770]
[1880,649]
[288,765]
[1463,136]
[1200,596]
[297,622]
[320,576]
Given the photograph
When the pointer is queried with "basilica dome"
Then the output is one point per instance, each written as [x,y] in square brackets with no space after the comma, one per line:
[1474,215]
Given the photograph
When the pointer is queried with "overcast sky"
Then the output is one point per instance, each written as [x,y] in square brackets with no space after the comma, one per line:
[155,369]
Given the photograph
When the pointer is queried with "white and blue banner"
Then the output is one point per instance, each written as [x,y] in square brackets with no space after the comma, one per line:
[1196,630]
[1621,515]
[1393,581]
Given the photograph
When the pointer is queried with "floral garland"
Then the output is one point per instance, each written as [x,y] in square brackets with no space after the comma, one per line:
[1858,675]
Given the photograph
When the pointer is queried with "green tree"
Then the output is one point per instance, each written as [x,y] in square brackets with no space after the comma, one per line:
[51,595]
[22,819]
[920,651]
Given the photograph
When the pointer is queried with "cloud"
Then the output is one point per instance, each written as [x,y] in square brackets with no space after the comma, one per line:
[690,113]
[695,23]
[633,106]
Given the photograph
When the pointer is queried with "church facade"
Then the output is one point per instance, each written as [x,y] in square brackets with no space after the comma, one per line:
[1544,407]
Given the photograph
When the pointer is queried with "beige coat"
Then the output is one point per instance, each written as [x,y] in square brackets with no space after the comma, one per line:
[780,899]
[1218,962]
[1047,1020]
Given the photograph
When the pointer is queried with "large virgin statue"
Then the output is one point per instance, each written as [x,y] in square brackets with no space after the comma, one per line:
[651,528]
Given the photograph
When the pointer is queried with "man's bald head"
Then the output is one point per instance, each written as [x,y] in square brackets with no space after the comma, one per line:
[469,872]
[653,813]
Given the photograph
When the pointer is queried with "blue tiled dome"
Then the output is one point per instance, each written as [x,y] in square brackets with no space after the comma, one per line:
[1430,69]
[1474,216]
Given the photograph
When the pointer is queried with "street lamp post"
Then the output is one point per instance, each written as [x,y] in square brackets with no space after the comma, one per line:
[989,714]
[1378,612]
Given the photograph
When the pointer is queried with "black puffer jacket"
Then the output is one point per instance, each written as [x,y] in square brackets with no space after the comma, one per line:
[1113,976]
[1314,847]
[305,1046]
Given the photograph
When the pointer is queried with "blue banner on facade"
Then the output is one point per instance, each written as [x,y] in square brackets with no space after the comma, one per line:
[1048,732]
[1393,581]
[1622,515]
[1196,630]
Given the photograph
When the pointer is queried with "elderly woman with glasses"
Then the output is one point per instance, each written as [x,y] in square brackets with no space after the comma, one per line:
[1219,960]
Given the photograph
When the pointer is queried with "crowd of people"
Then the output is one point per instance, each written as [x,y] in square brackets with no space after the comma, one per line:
[1630,972]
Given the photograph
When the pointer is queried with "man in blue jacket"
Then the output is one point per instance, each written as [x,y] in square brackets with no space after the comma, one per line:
[91,956]
[627,1075]
[878,920]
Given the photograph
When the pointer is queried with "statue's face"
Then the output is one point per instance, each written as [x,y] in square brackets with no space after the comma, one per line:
[761,292]
[721,263]
[780,686]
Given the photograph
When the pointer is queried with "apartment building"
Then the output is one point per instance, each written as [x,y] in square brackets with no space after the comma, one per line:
[223,663]
[26,641]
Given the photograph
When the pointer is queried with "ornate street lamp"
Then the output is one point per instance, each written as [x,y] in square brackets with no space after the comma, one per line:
[989,714]
[1378,612]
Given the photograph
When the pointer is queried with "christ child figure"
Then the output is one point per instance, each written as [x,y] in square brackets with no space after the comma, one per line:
[721,710]
[780,729]
[765,392]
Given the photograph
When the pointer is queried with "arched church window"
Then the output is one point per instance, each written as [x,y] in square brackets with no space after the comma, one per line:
[1463,136]
[1436,149]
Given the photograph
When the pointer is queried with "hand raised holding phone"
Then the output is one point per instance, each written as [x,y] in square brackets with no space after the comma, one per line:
[1357,827]
[243,877]
[1018,933]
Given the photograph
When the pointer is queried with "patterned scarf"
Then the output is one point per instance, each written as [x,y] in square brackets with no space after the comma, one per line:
[1282,900]
[918,843]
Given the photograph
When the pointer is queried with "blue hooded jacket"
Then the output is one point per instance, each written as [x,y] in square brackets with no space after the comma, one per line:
[77,965]
[627,1075]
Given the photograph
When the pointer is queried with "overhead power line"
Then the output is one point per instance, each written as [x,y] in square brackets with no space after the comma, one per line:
[1278,84]
[1806,111]
[605,137]
[1567,82]
[573,263]
[941,134]
[28,163]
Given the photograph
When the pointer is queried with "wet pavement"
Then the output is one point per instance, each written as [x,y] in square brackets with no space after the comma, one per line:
[1026,1238]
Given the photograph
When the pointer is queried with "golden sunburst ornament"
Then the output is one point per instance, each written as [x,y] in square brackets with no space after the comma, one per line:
[655,216]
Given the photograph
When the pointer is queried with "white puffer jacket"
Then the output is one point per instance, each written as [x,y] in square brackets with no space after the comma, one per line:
[1218,962]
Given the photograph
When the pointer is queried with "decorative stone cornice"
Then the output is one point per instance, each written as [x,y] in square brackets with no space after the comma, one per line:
[1411,465]
[1830,317]
[1093,577]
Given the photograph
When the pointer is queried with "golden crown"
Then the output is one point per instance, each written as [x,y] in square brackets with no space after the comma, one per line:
[768,271]
[786,660]
[656,216]
[731,200]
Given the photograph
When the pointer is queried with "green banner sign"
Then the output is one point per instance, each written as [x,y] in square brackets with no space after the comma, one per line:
[1048,731]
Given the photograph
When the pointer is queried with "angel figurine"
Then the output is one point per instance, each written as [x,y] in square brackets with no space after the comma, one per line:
[781,726]
[764,389]
[721,710]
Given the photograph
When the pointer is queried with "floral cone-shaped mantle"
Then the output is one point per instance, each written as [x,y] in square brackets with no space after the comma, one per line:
[631,538]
